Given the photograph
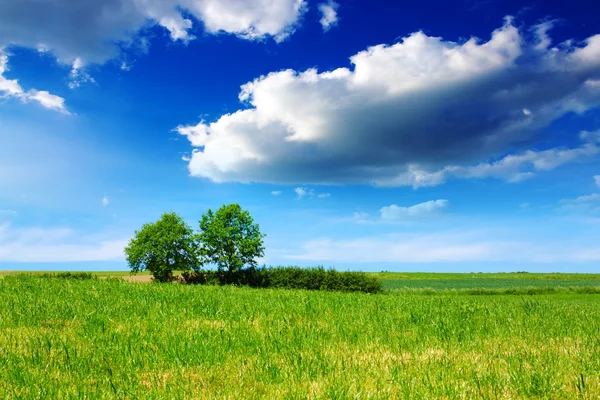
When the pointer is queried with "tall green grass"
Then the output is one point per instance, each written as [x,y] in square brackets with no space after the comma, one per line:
[64,338]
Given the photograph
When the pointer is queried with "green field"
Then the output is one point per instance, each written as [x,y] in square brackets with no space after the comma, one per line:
[518,281]
[107,338]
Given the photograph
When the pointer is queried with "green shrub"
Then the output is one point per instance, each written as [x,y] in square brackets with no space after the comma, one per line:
[288,278]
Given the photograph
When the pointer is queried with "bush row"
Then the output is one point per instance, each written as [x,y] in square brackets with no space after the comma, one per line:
[289,278]
[66,275]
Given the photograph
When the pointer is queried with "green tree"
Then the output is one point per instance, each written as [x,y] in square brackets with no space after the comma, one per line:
[162,247]
[230,239]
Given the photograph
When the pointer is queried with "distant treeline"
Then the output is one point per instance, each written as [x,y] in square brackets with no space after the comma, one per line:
[65,275]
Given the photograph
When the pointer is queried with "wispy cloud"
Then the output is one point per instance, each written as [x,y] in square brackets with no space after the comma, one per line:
[443,247]
[421,210]
[588,204]
[302,192]
[105,201]
[12,88]
[56,245]
[399,214]
[276,192]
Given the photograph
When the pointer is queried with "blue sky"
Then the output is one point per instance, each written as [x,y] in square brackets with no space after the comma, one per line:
[360,135]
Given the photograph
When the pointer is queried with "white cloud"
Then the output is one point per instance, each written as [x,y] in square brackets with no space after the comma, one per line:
[78,75]
[55,245]
[48,100]
[597,180]
[10,88]
[276,192]
[302,192]
[105,201]
[512,168]
[394,214]
[421,210]
[329,16]
[95,31]
[413,113]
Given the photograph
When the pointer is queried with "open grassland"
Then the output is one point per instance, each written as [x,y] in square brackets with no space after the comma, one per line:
[108,338]
[491,282]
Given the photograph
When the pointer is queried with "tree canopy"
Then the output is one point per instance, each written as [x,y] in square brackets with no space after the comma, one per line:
[162,247]
[229,239]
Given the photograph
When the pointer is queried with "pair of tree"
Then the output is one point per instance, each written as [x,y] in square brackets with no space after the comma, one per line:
[228,238]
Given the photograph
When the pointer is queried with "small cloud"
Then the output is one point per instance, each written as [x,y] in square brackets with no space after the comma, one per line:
[48,100]
[78,75]
[526,111]
[524,206]
[105,201]
[125,66]
[303,192]
[428,208]
[597,180]
[394,213]
[300,192]
[329,17]
[276,192]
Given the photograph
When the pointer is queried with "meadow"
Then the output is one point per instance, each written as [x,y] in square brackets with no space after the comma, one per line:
[497,281]
[109,338]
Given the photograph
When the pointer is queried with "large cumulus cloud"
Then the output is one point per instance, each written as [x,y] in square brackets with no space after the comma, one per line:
[92,30]
[404,112]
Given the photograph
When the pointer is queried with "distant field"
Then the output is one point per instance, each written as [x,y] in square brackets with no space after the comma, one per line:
[440,282]
[99,338]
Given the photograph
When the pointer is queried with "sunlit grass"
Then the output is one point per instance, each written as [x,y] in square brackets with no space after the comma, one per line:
[115,339]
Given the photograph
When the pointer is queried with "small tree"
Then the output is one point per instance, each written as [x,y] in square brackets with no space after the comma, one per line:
[230,239]
[162,247]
